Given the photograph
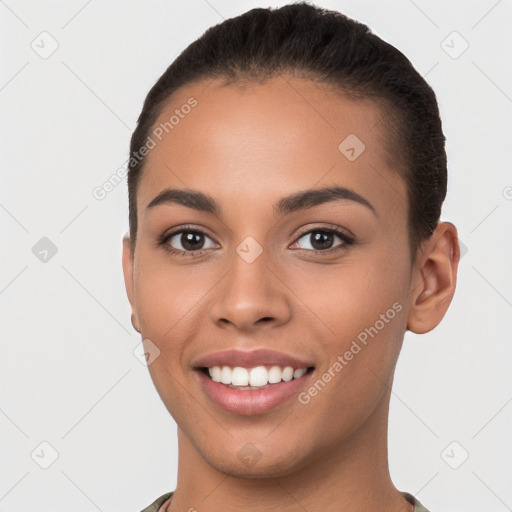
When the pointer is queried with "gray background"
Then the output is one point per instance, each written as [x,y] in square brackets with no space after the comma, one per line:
[68,374]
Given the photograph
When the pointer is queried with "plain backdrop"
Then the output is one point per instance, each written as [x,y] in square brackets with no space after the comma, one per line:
[74,396]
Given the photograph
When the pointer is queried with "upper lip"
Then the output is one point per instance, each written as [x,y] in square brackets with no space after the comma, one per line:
[250,359]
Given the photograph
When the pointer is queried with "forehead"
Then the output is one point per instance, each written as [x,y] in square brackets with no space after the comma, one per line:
[251,140]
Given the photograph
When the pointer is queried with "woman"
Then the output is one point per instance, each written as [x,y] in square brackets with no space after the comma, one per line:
[285,187]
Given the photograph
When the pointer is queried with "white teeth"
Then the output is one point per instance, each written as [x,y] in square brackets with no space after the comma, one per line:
[215,373]
[287,374]
[258,376]
[299,372]
[225,375]
[274,375]
[239,376]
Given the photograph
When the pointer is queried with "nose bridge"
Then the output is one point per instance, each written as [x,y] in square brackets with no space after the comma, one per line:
[251,291]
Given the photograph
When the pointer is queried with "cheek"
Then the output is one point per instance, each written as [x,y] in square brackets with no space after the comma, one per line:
[167,297]
[358,313]
[342,300]
[167,300]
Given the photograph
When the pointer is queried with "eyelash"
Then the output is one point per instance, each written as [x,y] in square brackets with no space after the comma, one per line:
[347,240]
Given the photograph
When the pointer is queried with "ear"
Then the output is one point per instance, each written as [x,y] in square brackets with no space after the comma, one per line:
[128,279]
[435,277]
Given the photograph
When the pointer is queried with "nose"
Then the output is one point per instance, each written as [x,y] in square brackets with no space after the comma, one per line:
[251,296]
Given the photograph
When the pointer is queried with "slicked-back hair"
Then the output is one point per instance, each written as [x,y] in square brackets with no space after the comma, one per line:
[327,47]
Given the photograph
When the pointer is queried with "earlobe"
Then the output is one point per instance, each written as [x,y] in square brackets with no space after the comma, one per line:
[128,280]
[435,279]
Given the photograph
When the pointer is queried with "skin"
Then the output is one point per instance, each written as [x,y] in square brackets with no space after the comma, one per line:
[247,146]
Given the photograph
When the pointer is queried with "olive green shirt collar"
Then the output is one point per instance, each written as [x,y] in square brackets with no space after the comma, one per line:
[155,506]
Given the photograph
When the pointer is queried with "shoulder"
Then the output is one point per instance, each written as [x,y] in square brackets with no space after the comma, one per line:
[418,507]
[157,503]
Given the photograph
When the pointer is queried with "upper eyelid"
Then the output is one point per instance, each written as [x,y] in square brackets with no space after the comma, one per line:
[327,227]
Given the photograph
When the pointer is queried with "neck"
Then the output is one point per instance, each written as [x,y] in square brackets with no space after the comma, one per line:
[352,476]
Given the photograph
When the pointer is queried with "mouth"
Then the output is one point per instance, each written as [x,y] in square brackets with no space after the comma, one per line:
[251,391]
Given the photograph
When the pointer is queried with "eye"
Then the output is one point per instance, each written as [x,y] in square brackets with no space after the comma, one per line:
[322,240]
[186,240]
[191,241]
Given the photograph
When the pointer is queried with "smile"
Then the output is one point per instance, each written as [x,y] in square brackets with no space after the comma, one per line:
[250,391]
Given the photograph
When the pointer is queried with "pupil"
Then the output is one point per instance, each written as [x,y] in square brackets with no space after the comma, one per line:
[187,240]
[320,238]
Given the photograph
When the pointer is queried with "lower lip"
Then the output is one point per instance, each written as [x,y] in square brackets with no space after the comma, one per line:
[251,401]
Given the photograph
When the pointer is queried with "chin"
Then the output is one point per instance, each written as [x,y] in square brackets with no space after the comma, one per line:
[249,462]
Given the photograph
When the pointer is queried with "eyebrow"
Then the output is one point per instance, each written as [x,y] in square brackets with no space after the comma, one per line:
[295,202]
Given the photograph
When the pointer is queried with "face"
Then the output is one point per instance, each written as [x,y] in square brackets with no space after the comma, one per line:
[326,280]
